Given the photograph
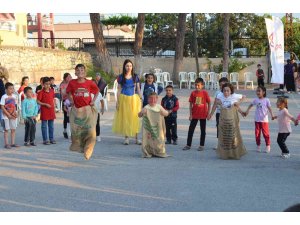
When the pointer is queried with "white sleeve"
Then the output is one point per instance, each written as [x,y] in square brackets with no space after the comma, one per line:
[237,96]
[2,102]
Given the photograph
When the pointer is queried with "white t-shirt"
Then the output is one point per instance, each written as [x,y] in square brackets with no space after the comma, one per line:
[9,103]
[97,102]
[230,100]
[216,95]
[261,112]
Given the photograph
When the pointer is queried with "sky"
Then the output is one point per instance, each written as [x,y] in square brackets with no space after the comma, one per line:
[85,18]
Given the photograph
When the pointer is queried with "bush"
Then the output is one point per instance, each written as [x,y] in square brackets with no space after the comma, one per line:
[235,65]
[109,78]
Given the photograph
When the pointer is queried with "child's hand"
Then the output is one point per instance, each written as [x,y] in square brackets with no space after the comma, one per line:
[274,117]
[209,117]
[48,106]
[296,122]
[92,103]
[117,105]
[102,111]
[190,118]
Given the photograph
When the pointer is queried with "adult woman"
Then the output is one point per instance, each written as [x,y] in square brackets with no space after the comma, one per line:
[24,84]
[62,88]
[126,121]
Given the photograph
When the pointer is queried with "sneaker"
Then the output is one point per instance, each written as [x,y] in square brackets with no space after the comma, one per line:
[46,143]
[126,141]
[200,148]
[65,135]
[258,148]
[268,149]
[7,146]
[285,155]
[174,142]
[27,144]
[32,144]
[98,138]
[53,142]
[138,142]
[168,142]
[186,148]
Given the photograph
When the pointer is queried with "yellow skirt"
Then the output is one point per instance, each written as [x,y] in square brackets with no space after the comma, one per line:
[126,121]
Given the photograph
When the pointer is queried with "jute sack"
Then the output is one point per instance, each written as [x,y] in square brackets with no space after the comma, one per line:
[230,143]
[83,129]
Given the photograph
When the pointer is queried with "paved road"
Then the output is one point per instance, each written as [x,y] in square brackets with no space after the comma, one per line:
[51,178]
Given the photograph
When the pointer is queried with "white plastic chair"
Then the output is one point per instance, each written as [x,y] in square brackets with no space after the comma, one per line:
[204,76]
[183,78]
[166,78]
[234,79]
[114,90]
[159,79]
[248,76]
[223,74]
[213,81]
[157,70]
[105,98]
[191,78]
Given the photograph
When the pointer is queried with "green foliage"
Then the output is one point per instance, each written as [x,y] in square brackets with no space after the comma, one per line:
[60,45]
[120,20]
[235,65]
[92,70]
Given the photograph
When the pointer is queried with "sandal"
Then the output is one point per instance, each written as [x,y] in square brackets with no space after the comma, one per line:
[126,141]
[7,146]
[15,146]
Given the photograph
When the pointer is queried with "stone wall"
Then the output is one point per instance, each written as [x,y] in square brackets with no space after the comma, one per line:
[38,62]
[189,65]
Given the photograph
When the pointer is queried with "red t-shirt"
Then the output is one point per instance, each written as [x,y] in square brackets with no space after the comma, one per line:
[199,100]
[47,97]
[81,92]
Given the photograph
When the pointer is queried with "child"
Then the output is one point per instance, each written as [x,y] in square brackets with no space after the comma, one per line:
[284,119]
[83,115]
[222,81]
[63,87]
[263,106]
[29,112]
[9,115]
[46,100]
[199,107]
[148,87]
[230,143]
[260,76]
[153,143]
[99,101]
[67,110]
[171,104]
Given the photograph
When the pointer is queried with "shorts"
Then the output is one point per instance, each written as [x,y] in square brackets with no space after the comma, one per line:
[9,124]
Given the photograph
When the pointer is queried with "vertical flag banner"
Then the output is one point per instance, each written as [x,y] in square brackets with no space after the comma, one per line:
[276,43]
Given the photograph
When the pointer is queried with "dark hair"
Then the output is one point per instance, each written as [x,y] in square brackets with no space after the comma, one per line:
[169,86]
[288,61]
[284,101]
[293,208]
[263,89]
[223,79]
[66,75]
[41,79]
[228,85]
[46,79]
[150,74]
[79,65]
[199,80]
[23,79]
[27,89]
[258,65]
[51,78]
[124,71]
[8,84]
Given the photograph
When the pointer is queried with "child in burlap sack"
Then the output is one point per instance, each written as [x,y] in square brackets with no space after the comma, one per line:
[83,114]
[153,143]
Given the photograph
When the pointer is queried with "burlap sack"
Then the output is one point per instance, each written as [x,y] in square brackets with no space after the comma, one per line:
[154,130]
[83,129]
[230,143]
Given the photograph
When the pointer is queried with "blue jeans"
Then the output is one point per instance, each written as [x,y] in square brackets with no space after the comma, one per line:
[50,129]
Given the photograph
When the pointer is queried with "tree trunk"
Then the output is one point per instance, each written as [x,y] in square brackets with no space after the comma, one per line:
[195,42]
[103,58]
[226,18]
[180,34]
[138,43]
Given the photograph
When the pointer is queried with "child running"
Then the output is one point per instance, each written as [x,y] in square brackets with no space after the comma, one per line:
[263,106]
[199,108]
[284,125]
[30,111]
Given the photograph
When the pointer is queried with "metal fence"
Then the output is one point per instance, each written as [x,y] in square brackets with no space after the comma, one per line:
[160,47]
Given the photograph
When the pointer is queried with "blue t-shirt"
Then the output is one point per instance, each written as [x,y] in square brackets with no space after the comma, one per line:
[29,107]
[128,86]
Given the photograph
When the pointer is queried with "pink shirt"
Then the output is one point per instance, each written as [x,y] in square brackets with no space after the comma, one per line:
[284,121]
[261,112]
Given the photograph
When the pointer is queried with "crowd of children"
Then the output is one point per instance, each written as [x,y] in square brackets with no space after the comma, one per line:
[82,102]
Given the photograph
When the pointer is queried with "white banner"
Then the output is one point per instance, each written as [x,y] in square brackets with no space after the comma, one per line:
[276,43]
